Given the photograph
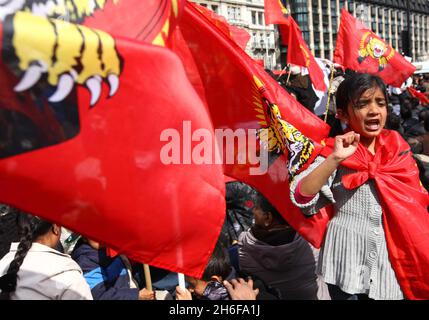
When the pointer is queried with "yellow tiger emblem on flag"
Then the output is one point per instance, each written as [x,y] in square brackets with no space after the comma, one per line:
[376,49]
[43,38]
[279,136]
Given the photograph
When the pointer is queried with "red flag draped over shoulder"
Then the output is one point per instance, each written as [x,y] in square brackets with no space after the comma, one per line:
[241,95]
[117,174]
[360,49]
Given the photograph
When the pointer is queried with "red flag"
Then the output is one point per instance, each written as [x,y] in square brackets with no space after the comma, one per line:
[260,62]
[239,35]
[299,54]
[109,178]
[360,49]
[417,94]
[241,95]
[150,21]
[275,12]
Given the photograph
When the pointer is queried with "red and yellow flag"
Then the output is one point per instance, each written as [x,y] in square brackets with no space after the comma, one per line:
[93,129]
[360,49]
[240,95]
[275,12]
[299,54]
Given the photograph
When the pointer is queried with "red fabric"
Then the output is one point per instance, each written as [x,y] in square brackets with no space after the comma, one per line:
[227,75]
[239,35]
[108,182]
[354,50]
[260,62]
[279,72]
[419,95]
[299,54]
[404,204]
[275,12]
[111,253]
[137,19]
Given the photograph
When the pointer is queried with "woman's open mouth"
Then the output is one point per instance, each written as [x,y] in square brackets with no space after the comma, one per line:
[372,125]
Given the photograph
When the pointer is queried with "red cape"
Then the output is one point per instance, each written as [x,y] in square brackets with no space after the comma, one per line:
[404,203]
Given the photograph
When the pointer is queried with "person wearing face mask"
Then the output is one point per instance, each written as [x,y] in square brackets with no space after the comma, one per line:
[34,270]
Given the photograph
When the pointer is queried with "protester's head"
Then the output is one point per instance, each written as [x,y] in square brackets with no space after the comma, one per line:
[266,216]
[219,266]
[31,229]
[362,104]
[217,269]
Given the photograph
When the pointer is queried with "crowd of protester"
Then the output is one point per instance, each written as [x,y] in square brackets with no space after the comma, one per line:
[258,254]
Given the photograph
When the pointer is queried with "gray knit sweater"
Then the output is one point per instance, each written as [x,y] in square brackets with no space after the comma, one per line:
[354,254]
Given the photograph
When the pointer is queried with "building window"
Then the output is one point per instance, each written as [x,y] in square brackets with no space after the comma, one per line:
[261,18]
[234,13]
[253,17]
[306,36]
[301,18]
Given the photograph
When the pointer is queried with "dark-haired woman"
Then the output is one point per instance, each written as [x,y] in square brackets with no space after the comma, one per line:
[34,270]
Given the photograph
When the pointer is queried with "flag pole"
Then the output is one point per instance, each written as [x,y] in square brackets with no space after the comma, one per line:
[147,277]
[181,278]
[288,75]
[329,92]
[282,71]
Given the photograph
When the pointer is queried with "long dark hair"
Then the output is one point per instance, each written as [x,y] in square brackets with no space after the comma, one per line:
[354,85]
[30,228]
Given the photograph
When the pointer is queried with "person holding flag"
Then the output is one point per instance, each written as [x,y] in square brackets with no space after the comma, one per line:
[376,243]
